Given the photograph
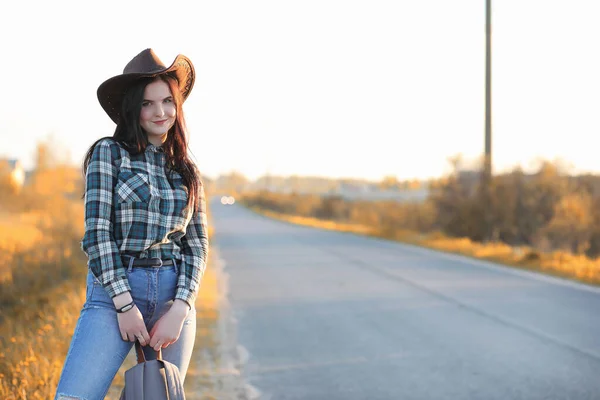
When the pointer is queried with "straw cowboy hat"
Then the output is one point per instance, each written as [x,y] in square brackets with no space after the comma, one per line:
[145,64]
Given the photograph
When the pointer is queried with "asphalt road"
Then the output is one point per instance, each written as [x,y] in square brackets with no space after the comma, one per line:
[328,315]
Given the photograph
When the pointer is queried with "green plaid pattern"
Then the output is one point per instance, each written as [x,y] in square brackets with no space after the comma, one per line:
[131,208]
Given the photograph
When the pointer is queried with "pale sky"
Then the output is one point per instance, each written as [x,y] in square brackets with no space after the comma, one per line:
[358,89]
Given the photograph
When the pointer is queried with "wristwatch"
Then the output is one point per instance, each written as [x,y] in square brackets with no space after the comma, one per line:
[126,308]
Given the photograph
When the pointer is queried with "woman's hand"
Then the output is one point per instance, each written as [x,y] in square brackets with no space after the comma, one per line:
[168,327]
[132,326]
[131,322]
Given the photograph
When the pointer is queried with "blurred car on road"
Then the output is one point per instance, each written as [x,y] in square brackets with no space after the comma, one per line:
[227,200]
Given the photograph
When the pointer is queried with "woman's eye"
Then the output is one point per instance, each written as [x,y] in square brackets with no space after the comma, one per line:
[145,104]
[168,100]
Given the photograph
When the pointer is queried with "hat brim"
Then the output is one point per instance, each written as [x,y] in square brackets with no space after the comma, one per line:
[110,92]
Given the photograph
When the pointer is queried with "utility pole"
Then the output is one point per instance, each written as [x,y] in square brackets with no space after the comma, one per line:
[487,167]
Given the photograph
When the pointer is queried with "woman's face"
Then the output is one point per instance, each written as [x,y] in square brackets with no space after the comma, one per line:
[158,110]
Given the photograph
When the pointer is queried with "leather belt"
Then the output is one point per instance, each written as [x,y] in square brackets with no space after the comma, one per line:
[147,262]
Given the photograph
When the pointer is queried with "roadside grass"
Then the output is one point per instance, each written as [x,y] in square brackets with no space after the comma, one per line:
[557,263]
[42,270]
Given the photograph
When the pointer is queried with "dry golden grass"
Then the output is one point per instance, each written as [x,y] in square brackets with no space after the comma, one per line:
[39,292]
[40,275]
[35,342]
[557,263]
[17,234]
[579,267]
[35,331]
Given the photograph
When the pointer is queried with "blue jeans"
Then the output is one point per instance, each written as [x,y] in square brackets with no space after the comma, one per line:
[97,350]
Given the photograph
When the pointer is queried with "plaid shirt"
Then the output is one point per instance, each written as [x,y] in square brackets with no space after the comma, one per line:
[132,209]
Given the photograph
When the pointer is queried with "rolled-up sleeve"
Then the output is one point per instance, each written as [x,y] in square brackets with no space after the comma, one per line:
[195,253]
[98,241]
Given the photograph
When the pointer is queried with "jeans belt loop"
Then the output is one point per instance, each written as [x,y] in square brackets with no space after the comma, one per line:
[131,260]
[175,266]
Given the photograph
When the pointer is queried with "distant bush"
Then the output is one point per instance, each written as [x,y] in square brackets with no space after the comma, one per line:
[547,210]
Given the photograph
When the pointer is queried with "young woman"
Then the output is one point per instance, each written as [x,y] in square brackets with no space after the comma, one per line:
[145,230]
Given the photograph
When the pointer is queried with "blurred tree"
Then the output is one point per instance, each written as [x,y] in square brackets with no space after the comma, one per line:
[508,212]
[547,210]
[571,226]
[8,187]
[414,184]
[294,184]
[594,249]
[232,182]
[459,211]
[540,198]
[306,205]
[389,182]
[366,213]
[44,156]
[333,208]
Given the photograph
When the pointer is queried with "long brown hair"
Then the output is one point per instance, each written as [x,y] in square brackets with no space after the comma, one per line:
[132,137]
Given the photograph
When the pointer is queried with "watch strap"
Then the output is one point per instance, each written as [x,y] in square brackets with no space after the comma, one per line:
[126,307]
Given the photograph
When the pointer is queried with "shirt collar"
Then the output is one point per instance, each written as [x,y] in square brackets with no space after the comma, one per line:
[155,149]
